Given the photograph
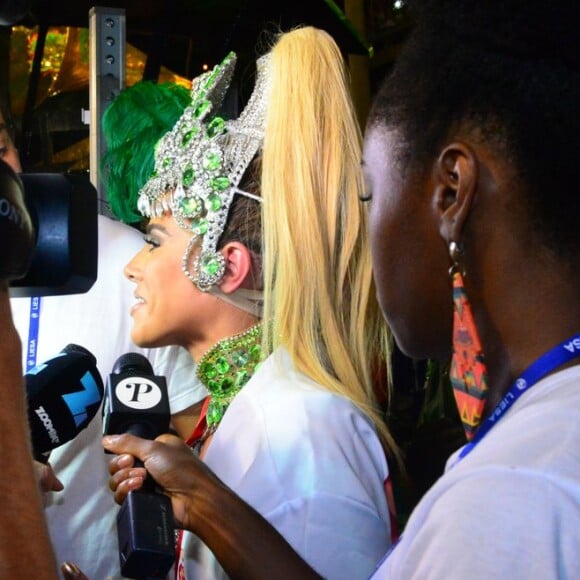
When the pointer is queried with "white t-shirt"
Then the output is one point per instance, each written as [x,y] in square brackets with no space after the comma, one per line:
[511,507]
[311,463]
[81,518]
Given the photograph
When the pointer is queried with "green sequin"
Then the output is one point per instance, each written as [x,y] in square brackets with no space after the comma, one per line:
[227,385]
[190,206]
[210,266]
[215,127]
[227,367]
[211,78]
[222,365]
[242,377]
[207,371]
[188,176]
[215,385]
[201,109]
[213,202]
[212,161]
[240,358]
[214,413]
[256,353]
[220,183]
[199,226]
[188,136]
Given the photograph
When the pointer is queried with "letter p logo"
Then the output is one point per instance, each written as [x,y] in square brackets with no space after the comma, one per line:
[138,393]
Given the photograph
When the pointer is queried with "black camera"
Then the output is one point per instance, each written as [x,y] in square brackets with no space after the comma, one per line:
[61,256]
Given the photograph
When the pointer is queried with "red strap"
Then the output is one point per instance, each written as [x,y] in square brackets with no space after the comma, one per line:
[196,434]
[201,424]
[392,509]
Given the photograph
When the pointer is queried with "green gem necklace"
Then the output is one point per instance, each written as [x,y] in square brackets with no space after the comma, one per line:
[226,367]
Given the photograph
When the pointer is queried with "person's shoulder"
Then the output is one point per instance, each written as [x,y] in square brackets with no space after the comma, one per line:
[279,384]
[112,226]
[116,237]
[286,405]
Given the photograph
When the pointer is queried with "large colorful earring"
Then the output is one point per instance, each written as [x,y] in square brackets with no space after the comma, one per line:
[468,372]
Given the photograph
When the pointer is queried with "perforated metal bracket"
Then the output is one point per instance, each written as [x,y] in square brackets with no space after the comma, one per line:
[107,63]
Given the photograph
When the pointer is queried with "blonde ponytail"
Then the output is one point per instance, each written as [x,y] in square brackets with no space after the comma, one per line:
[317,267]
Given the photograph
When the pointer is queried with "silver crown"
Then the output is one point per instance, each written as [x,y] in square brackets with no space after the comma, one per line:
[200,162]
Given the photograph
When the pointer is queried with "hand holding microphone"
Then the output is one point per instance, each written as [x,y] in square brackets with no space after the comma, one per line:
[136,402]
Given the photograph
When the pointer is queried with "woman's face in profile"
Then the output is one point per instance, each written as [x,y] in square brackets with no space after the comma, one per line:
[409,257]
[168,307]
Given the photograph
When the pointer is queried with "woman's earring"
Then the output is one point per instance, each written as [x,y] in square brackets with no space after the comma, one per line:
[468,372]
[208,266]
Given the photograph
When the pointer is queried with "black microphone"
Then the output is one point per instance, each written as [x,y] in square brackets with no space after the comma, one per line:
[64,394]
[136,402]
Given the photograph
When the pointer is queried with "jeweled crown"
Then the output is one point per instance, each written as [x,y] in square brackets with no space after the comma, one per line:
[200,162]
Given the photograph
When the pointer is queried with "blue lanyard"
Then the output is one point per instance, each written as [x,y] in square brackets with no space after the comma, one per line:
[560,354]
[33,326]
[551,360]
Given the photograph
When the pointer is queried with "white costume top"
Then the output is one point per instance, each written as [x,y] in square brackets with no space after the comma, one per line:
[311,463]
[81,518]
[511,508]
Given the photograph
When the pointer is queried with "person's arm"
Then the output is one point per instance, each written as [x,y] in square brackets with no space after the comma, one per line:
[47,479]
[185,421]
[244,543]
[25,547]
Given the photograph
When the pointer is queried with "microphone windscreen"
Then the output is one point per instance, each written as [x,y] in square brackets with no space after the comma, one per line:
[64,394]
[132,362]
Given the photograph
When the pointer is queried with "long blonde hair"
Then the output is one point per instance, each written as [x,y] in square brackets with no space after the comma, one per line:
[318,289]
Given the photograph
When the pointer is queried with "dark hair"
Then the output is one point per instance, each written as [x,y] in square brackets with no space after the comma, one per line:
[508,71]
[244,223]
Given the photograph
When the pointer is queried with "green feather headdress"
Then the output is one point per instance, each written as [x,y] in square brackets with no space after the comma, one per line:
[132,125]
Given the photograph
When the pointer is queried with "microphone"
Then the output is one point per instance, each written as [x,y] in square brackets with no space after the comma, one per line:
[136,402]
[64,394]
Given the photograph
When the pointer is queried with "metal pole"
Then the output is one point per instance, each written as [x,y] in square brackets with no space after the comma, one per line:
[107,36]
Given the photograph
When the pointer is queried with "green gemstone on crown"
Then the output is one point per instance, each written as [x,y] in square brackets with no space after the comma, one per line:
[190,206]
[188,136]
[210,266]
[213,202]
[202,108]
[199,226]
[212,161]
[212,76]
[215,127]
[168,161]
[188,176]
[220,183]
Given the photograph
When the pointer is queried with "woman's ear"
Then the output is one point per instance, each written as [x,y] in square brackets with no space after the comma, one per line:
[456,175]
[238,266]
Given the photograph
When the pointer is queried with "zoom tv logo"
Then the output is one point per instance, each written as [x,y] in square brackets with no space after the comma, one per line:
[138,393]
